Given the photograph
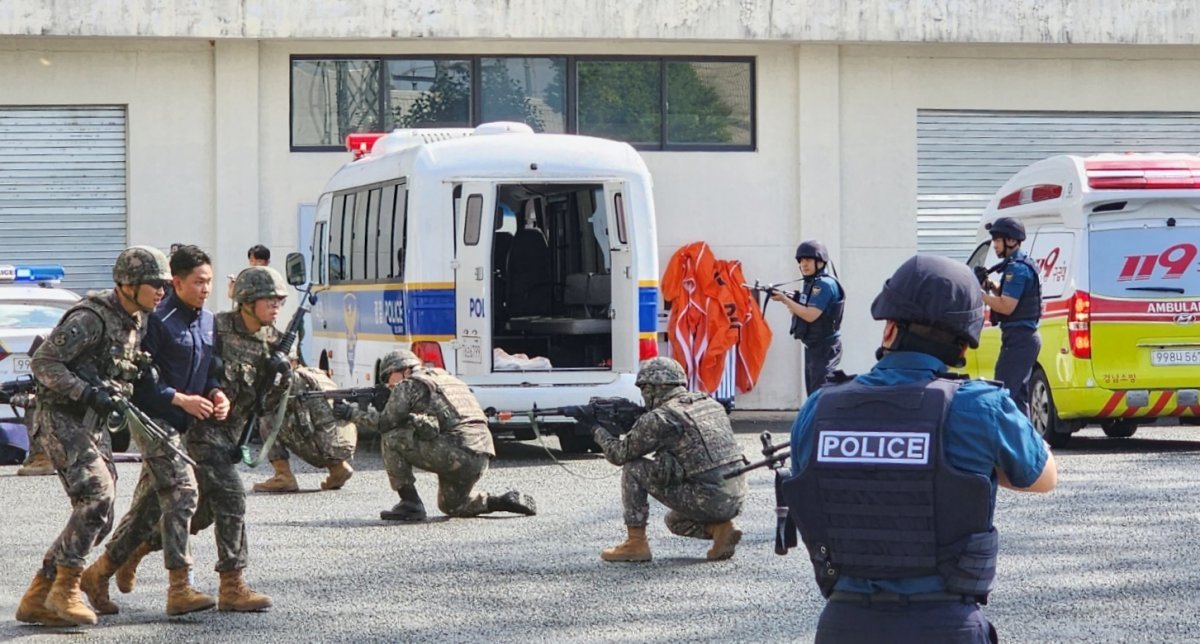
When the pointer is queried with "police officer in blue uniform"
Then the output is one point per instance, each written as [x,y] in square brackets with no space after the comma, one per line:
[817,309]
[894,472]
[1016,305]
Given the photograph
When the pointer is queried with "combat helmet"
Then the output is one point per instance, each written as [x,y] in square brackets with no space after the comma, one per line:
[935,291]
[397,360]
[139,265]
[1007,227]
[661,371]
[812,249]
[258,282]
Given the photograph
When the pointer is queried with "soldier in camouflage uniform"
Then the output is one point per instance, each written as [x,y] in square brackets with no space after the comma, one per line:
[432,421]
[311,430]
[36,462]
[693,443]
[179,337]
[92,352]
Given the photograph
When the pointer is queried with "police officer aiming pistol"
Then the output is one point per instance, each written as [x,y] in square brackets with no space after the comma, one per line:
[1016,304]
[894,472]
[817,314]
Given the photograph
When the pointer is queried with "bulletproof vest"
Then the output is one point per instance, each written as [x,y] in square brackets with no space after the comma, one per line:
[706,441]
[829,322]
[116,358]
[878,499]
[450,399]
[313,414]
[242,361]
[1029,306]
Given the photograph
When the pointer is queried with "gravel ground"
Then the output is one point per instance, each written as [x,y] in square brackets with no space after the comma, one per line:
[1109,556]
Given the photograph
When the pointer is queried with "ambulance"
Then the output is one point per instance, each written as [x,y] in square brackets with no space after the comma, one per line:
[1117,239]
[525,264]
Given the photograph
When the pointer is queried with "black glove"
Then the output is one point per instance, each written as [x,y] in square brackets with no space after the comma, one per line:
[99,400]
[281,365]
[381,398]
[342,410]
[584,415]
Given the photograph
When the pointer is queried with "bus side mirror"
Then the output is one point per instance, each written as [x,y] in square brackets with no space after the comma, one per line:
[294,266]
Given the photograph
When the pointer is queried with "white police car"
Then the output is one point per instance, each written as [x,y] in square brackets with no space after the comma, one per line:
[30,305]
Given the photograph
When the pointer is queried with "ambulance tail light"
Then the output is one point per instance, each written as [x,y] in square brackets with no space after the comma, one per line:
[1030,194]
[430,353]
[1079,325]
[647,348]
[360,144]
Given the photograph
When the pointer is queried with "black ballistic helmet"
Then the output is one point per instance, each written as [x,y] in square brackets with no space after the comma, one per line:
[1007,227]
[935,291]
[812,249]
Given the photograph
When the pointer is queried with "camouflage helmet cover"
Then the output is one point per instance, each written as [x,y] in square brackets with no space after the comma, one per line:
[397,360]
[661,371]
[257,283]
[141,265]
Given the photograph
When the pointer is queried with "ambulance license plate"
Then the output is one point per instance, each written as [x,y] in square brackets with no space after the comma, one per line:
[1174,357]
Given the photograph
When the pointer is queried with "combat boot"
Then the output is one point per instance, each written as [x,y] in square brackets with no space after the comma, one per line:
[635,548]
[127,572]
[339,473]
[182,598]
[512,501]
[65,599]
[32,609]
[410,507]
[283,481]
[39,465]
[94,584]
[725,538]
[235,595]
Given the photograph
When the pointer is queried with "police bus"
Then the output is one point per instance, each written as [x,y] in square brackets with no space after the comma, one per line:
[523,263]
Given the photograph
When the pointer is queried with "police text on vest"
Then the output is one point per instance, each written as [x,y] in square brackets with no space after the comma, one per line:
[898,448]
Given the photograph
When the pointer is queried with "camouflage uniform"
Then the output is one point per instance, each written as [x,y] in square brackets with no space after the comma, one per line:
[693,443]
[433,422]
[96,335]
[309,428]
[213,443]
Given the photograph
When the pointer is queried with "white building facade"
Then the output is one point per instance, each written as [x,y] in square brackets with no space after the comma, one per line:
[877,127]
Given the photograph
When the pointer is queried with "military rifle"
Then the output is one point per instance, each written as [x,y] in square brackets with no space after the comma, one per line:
[982,273]
[127,414]
[785,527]
[13,388]
[617,415]
[763,292]
[375,395]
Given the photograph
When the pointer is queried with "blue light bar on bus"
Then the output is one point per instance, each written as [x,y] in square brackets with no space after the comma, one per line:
[49,273]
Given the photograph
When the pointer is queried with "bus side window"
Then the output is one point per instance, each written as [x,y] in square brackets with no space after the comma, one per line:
[397,232]
[358,245]
[381,235]
[337,235]
[319,256]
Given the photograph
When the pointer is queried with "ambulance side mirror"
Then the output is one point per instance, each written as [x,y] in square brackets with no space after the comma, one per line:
[294,267]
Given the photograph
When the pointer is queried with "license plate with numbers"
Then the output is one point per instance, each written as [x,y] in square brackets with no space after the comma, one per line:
[21,364]
[472,350]
[1174,357]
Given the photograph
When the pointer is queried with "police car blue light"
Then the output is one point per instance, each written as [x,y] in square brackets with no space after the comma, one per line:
[47,273]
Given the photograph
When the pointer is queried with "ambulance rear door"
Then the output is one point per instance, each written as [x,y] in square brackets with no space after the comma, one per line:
[472,283]
[625,305]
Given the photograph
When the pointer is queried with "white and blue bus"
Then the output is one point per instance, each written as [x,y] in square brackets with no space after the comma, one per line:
[525,264]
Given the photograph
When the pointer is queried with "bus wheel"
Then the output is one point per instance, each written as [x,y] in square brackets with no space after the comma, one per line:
[1044,414]
[576,439]
[1119,428]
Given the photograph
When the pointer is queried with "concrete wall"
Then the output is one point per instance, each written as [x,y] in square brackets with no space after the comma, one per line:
[959,21]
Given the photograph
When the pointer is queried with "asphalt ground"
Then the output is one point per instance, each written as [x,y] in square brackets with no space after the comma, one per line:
[1110,556]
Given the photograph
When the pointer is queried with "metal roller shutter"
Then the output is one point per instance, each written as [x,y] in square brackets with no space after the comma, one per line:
[62,190]
[963,157]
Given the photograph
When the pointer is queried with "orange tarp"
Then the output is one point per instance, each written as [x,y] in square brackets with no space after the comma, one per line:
[711,313]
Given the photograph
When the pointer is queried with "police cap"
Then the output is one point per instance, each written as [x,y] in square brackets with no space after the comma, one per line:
[933,290]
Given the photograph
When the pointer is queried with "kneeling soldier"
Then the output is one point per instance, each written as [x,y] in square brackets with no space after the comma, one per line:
[693,443]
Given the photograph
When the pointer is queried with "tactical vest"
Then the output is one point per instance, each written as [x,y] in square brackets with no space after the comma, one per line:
[242,361]
[706,441]
[1029,306]
[450,399]
[878,500]
[116,358]
[830,321]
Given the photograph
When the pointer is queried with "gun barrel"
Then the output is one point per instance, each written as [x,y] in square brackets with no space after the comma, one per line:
[766,462]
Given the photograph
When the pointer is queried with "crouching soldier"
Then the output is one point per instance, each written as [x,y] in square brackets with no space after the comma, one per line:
[693,443]
[432,421]
[93,352]
[311,430]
